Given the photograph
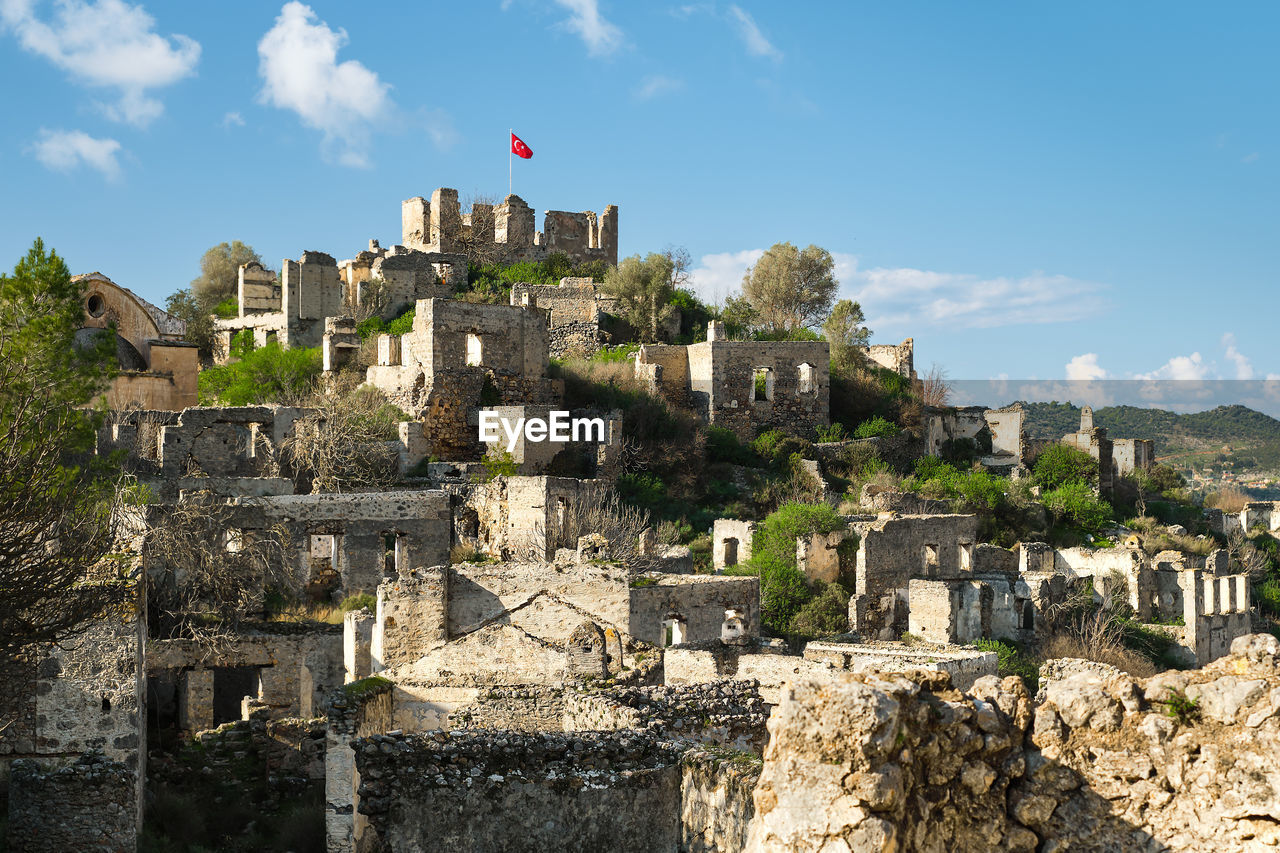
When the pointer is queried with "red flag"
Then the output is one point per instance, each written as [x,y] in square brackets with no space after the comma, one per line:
[518,148]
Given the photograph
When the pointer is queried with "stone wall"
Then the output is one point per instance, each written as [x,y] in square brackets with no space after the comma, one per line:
[511,791]
[91,805]
[900,358]
[507,231]
[721,713]
[360,709]
[294,670]
[964,665]
[715,800]
[891,552]
[522,709]
[1104,763]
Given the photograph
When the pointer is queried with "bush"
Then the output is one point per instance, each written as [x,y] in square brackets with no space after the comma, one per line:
[835,432]
[269,374]
[723,446]
[783,589]
[1061,465]
[646,491]
[1268,595]
[1077,503]
[777,447]
[825,614]
[877,427]
[355,602]
[228,308]
[1012,660]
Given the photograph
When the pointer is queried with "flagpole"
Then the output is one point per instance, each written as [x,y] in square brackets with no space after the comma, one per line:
[512,131]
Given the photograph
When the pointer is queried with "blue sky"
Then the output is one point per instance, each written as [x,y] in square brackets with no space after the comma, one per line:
[1079,191]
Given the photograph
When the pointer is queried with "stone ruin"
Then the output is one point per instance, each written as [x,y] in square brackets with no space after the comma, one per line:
[509,229]
[743,386]
[293,306]
[158,367]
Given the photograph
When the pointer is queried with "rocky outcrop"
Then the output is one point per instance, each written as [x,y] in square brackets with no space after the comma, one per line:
[1181,761]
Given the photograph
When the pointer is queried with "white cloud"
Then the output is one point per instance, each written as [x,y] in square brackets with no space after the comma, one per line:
[440,128]
[106,44]
[1179,367]
[300,72]
[1250,158]
[1244,368]
[600,36]
[657,84]
[1085,367]
[719,275]
[749,32]
[233,119]
[66,150]
[906,297]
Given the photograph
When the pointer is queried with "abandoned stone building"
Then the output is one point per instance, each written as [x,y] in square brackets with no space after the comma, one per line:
[458,358]
[743,386]
[996,435]
[900,358]
[158,368]
[576,309]
[507,231]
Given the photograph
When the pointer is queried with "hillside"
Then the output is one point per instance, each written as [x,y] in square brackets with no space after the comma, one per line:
[1231,440]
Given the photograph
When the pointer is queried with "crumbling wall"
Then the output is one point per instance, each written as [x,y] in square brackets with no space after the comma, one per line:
[900,358]
[731,542]
[697,602]
[892,551]
[513,792]
[964,665]
[358,710]
[296,669]
[91,805]
[715,800]
[534,708]
[1182,760]
[508,230]
[721,713]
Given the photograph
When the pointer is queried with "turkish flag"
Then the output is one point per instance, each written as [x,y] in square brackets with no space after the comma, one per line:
[518,148]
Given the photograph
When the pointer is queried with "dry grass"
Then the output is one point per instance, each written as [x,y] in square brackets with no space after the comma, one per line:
[310,611]
[466,553]
[1068,645]
[1156,538]
[935,388]
[1229,499]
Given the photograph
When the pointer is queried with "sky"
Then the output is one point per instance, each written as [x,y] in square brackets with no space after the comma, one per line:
[1082,191]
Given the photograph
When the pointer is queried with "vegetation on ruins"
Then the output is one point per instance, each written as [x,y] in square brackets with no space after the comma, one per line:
[213,292]
[643,288]
[791,289]
[60,507]
[260,375]
[785,592]
[1061,465]
[205,576]
[344,443]
[489,279]
[845,330]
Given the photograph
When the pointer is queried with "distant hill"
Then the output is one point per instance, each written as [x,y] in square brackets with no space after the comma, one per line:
[1244,439]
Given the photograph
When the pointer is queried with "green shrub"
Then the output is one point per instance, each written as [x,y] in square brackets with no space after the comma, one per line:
[643,490]
[1077,503]
[619,353]
[1178,706]
[835,432]
[825,614]
[1012,660]
[1268,595]
[981,489]
[777,447]
[269,374]
[228,308]
[877,427]
[783,589]
[355,602]
[723,446]
[1061,464]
